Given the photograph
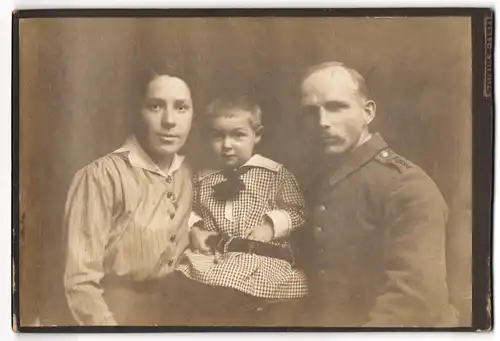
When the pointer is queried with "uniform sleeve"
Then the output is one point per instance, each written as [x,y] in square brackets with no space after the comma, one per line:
[290,207]
[88,217]
[416,292]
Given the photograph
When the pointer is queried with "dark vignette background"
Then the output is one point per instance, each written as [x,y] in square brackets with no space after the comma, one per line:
[77,78]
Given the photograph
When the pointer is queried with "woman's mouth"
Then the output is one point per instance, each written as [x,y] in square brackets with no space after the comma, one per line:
[167,138]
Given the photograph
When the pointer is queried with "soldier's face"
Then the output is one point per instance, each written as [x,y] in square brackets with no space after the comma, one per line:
[333,111]
[166,116]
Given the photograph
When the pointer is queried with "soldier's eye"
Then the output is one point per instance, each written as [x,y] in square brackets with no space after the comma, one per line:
[310,110]
[334,106]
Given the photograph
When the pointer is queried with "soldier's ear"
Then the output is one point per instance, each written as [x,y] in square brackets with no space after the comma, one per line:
[370,111]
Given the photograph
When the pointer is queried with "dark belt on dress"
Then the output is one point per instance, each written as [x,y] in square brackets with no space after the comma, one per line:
[222,244]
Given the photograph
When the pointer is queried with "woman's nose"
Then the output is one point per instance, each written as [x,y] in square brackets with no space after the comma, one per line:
[168,117]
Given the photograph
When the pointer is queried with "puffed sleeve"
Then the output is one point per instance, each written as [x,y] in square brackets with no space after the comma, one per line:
[88,220]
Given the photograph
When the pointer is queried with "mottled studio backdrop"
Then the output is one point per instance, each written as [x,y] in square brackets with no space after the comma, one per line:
[77,77]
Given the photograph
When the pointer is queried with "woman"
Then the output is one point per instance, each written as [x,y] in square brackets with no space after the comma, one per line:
[127,217]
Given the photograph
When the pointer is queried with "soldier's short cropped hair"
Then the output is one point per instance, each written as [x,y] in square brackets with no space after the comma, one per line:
[358,79]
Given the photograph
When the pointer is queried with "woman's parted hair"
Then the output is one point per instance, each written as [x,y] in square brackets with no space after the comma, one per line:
[147,72]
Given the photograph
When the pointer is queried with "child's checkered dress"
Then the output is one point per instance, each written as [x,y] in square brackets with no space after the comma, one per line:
[269,190]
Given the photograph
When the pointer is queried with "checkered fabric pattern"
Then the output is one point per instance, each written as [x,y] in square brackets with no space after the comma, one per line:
[265,190]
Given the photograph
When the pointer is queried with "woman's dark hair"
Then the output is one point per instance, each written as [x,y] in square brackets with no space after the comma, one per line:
[149,71]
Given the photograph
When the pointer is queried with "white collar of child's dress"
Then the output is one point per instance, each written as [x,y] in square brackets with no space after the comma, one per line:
[139,158]
[256,160]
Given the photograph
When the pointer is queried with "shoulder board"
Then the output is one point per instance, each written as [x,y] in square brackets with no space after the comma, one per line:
[389,158]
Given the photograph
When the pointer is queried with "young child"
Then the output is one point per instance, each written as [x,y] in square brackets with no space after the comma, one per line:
[244,212]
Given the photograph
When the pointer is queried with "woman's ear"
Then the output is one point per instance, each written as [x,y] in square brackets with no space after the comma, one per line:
[258,134]
[370,111]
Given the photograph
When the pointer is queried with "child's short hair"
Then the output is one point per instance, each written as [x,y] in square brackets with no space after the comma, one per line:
[222,106]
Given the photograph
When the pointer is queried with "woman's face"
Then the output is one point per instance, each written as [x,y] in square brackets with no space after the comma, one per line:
[166,113]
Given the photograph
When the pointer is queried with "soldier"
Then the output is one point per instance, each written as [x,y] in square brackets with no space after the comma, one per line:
[378,221]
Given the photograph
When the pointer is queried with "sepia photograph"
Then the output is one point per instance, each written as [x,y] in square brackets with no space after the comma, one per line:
[293,171]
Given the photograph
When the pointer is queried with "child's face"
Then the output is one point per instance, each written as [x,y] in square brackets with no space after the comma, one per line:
[233,139]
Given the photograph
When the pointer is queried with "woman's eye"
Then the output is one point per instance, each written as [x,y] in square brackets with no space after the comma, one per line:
[153,106]
[183,108]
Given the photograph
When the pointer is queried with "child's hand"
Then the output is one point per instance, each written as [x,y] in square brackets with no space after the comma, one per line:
[262,233]
[198,238]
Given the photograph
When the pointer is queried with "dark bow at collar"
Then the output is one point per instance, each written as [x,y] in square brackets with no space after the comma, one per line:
[231,186]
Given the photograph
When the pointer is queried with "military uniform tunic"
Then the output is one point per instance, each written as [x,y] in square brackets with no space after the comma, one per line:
[376,246]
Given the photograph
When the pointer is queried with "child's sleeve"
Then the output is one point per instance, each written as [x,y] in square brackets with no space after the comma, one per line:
[289,213]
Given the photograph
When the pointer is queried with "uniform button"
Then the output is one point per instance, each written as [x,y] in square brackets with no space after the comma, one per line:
[170,194]
[319,229]
[172,238]
[169,179]
[322,208]
[322,272]
[384,153]
[321,250]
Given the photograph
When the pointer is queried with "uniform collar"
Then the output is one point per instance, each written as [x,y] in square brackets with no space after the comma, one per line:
[139,158]
[358,158]
[256,160]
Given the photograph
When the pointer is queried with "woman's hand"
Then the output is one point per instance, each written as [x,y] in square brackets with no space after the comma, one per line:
[198,239]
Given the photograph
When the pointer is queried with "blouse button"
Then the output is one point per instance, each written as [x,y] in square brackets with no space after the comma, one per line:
[169,179]
[322,208]
[169,195]
[172,215]
[172,238]
[170,262]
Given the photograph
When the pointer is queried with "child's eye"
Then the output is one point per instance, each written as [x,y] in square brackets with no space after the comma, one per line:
[240,134]
[216,135]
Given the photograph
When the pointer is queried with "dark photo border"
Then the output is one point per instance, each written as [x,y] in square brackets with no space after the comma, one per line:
[482,24]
